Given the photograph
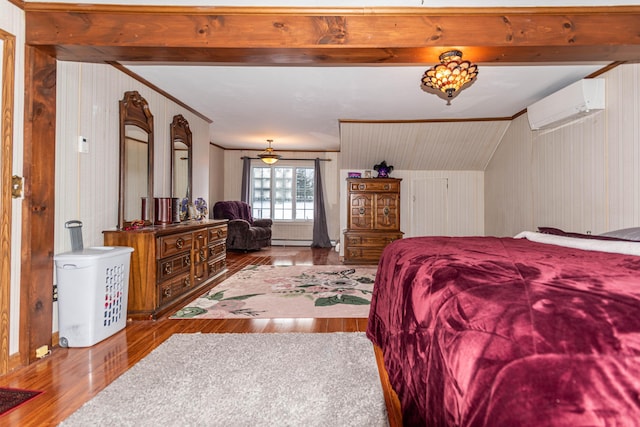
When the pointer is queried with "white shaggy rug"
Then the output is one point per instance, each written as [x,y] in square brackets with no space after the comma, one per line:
[277,379]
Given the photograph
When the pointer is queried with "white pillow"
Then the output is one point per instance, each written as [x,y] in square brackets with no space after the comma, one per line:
[614,246]
[632,233]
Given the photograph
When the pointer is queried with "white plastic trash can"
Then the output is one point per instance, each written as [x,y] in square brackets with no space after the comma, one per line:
[93,288]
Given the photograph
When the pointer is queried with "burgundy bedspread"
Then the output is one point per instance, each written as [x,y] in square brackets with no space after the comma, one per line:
[484,331]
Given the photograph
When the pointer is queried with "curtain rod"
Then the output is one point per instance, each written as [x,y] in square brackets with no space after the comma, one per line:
[310,160]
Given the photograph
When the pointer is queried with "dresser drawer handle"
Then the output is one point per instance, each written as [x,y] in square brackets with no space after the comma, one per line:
[203,254]
[167,292]
[179,243]
[167,268]
[387,186]
[186,282]
[186,260]
[361,186]
[385,211]
[361,211]
[220,233]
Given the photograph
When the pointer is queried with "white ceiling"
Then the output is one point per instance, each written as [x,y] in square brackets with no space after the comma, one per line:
[300,107]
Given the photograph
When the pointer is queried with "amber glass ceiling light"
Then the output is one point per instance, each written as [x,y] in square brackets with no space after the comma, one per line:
[269,156]
[451,74]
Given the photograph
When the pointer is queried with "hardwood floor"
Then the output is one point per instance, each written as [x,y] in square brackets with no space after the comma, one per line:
[70,377]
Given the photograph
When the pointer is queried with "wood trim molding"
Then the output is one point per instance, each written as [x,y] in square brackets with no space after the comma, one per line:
[150,85]
[6,157]
[36,279]
[318,10]
[306,36]
[479,119]
[18,3]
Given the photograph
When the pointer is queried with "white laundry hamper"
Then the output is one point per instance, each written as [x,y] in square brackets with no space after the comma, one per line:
[93,288]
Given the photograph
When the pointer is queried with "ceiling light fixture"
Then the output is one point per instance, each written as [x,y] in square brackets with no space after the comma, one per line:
[269,156]
[451,74]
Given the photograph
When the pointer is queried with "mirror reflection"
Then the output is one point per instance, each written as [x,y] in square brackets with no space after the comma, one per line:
[136,161]
[136,172]
[181,158]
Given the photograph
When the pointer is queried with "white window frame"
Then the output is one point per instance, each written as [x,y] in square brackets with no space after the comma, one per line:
[257,211]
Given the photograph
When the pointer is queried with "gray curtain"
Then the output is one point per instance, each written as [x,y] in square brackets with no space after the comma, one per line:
[245,192]
[320,233]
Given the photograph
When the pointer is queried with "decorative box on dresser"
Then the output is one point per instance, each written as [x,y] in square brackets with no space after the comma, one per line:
[373,218]
[170,264]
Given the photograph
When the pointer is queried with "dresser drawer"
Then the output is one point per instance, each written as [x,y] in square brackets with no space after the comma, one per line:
[174,244]
[170,267]
[217,233]
[171,289]
[216,267]
[217,249]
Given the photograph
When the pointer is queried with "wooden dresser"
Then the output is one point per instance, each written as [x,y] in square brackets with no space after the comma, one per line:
[373,218]
[171,264]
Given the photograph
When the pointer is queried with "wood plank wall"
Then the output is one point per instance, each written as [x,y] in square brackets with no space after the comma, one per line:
[583,177]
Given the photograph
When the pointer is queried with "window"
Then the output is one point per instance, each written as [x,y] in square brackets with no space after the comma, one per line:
[282,193]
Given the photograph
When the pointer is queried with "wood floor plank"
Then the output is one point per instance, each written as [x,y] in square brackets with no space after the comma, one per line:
[72,376]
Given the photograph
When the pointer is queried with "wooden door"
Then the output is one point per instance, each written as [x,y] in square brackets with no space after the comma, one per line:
[387,216]
[360,211]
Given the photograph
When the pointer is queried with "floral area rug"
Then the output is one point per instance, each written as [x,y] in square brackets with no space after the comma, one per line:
[272,291]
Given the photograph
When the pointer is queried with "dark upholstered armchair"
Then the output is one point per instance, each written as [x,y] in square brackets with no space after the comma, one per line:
[244,233]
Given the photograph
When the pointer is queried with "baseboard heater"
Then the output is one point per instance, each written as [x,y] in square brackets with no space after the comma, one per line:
[290,242]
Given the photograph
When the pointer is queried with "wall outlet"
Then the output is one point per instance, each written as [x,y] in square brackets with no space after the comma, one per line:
[83,145]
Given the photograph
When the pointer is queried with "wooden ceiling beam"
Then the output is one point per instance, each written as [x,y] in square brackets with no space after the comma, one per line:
[314,37]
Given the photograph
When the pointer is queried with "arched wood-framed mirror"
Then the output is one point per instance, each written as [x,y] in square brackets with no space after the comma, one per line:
[136,160]
[181,158]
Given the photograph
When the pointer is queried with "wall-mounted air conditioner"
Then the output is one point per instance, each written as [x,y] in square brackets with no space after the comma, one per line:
[583,97]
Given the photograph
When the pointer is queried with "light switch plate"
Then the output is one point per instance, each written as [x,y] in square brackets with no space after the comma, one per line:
[83,145]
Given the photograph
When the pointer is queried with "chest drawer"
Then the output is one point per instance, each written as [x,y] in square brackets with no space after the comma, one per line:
[363,254]
[375,186]
[370,239]
[174,244]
